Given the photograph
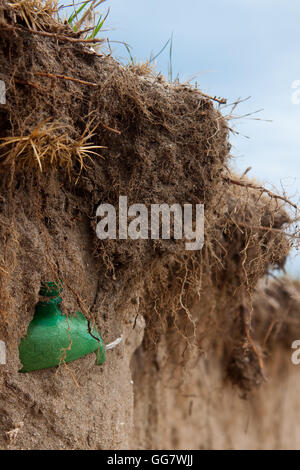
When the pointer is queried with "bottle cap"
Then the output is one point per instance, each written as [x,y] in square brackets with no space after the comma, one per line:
[51,289]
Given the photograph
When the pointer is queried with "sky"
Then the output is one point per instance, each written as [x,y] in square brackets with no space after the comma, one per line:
[234,49]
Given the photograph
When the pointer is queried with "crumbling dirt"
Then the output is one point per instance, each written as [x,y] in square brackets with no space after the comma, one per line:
[276,304]
[163,144]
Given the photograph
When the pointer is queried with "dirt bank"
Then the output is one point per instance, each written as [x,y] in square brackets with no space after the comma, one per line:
[186,316]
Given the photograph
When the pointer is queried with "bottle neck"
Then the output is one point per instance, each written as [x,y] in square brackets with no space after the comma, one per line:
[48,306]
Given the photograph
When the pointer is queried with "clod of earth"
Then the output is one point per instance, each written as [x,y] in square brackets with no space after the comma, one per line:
[78,130]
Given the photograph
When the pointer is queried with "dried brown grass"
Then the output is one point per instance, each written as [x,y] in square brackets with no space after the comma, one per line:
[49,145]
[37,15]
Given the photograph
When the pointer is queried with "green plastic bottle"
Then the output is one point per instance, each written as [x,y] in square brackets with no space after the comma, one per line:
[52,336]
